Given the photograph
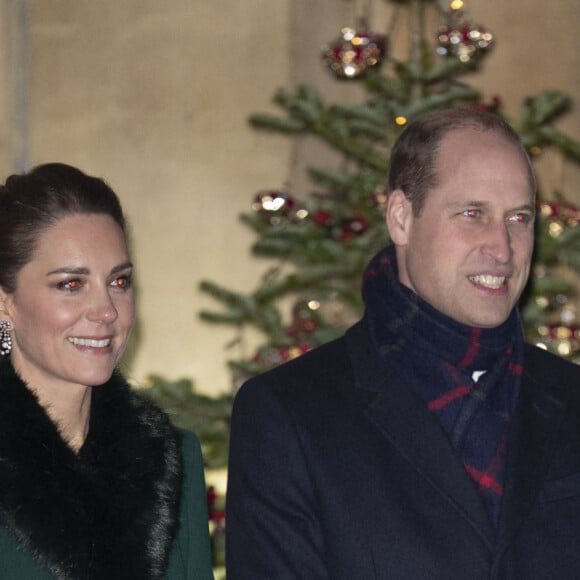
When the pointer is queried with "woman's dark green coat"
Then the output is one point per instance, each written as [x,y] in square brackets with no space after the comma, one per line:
[130,505]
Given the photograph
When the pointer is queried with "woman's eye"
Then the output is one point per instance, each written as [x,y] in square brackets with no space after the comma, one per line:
[122,282]
[70,285]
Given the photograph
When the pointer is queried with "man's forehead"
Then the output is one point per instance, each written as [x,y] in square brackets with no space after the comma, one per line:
[460,139]
[466,148]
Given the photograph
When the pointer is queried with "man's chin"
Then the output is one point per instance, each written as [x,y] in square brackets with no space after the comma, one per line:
[489,321]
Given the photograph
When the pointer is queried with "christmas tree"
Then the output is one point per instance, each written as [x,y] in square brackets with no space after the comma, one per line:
[320,243]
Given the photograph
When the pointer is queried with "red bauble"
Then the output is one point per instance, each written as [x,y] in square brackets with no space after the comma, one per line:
[284,353]
[323,218]
[491,107]
[353,227]
[211,499]
[303,322]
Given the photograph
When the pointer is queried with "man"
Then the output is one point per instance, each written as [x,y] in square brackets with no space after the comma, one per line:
[429,442]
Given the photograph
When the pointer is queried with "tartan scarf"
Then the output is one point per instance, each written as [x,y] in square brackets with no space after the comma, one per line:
[438,356]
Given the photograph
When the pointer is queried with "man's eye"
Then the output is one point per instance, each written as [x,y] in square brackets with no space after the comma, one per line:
[472,213]
[521,218]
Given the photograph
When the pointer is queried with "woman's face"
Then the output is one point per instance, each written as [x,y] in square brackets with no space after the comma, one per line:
[73,307]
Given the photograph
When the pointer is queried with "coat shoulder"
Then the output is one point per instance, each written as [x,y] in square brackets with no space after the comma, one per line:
[319,371]
[540,358]
[548,368]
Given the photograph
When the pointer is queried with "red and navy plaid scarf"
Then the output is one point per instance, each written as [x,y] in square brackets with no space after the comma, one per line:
[437,356]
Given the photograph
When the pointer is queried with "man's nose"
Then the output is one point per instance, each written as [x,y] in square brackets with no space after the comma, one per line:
[498,242]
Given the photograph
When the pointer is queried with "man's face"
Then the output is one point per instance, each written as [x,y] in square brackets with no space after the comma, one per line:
[468,254]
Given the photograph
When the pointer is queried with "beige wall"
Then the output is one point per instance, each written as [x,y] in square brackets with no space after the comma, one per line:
[13,94]
[154,96]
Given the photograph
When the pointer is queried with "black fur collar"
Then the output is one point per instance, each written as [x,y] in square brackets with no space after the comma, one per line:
[110,512]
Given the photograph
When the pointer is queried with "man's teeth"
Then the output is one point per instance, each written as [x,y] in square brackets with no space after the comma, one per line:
[488,281]
[90,342]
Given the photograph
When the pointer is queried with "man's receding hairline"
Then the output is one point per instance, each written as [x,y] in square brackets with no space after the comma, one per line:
[474,125]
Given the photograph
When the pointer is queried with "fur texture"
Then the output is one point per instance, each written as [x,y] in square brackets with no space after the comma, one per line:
[110,512]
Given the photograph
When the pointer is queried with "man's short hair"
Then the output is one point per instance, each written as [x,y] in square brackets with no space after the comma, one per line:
[412,167]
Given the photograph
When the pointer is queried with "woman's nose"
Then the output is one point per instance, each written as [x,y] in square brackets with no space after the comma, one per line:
[102,308]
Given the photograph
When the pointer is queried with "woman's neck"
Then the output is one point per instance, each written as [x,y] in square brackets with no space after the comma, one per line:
[72,417]
[68,406]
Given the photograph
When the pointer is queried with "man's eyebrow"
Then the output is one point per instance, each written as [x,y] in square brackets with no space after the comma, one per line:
[473,203]
[528,207]
[467,201]
[531,208]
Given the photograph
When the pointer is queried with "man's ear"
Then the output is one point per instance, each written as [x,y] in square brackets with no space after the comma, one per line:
[399,217]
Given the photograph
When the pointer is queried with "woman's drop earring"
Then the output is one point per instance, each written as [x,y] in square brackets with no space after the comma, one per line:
[5,337]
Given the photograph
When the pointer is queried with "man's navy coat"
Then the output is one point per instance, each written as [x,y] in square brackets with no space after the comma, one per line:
[338,471]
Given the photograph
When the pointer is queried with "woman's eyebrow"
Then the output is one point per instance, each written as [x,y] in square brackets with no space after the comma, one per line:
[122,267]
[69,270]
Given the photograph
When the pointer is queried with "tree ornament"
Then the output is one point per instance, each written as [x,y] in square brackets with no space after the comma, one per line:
[353,52]
[559,216]
[379,197]
[273,206]
[298,350]
[283,354]
[464,43]
[304,321]
[268,356]
[461,39]
[561,339]
[565,214]
[353,227]
[491,107]
[323,219]
[218,539]
[211,495]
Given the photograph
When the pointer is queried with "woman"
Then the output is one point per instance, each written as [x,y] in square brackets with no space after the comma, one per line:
[95,484]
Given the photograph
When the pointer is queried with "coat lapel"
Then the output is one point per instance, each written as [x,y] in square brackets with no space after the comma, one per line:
[540,412]
[415,433]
